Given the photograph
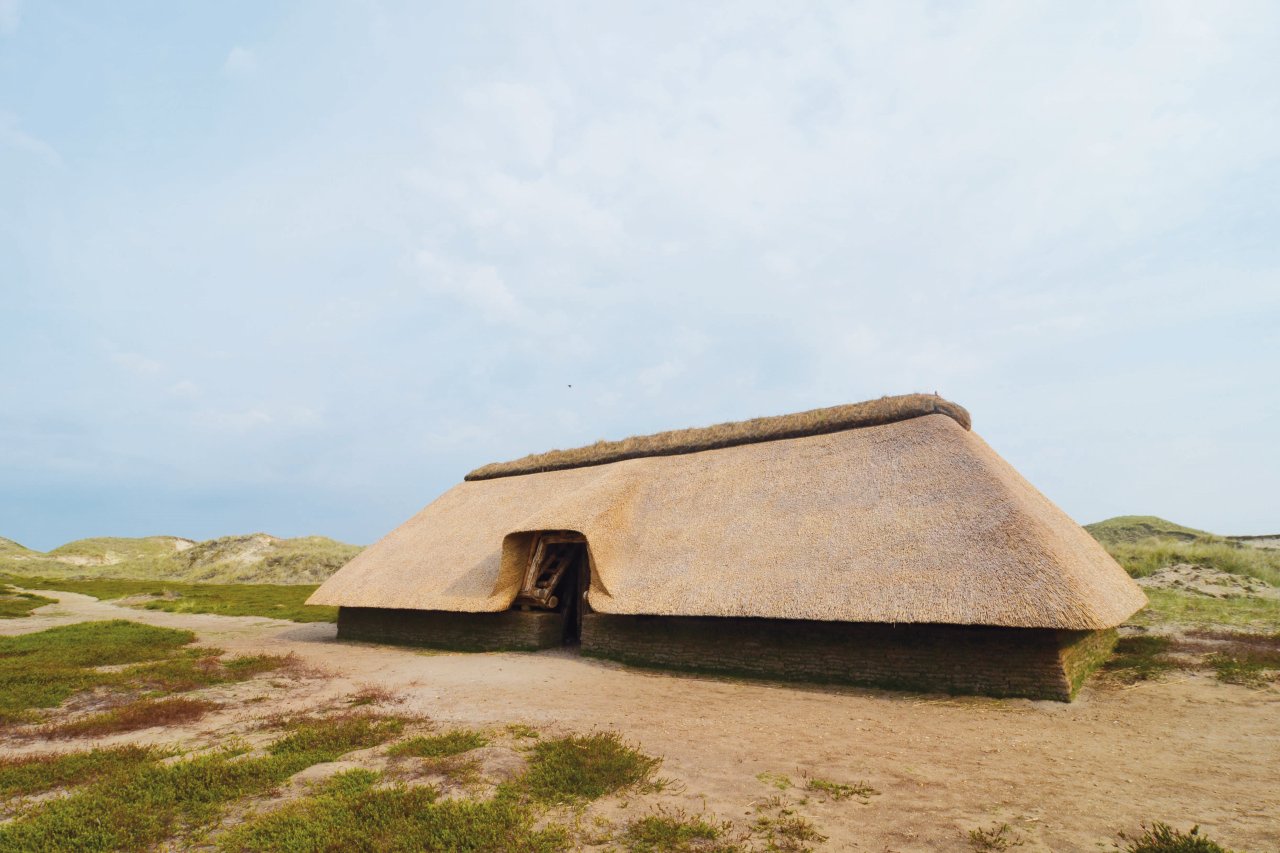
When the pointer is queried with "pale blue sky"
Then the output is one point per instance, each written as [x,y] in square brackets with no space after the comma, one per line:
[298,267]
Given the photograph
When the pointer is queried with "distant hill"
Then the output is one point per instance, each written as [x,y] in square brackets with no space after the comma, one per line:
[253,558]
[8,546]
[1133,528]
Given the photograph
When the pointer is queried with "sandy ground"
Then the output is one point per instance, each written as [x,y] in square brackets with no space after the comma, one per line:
[1066,777]
[1203,580]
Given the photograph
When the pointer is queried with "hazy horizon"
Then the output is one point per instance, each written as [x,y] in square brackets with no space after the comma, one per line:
[297,267]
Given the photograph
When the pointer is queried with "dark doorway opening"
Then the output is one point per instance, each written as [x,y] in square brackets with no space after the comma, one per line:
[557,578]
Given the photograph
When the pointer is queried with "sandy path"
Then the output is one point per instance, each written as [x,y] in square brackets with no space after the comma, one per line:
[1067,777]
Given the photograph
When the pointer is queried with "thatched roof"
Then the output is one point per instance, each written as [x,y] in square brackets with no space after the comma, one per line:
[886,410]
[915,520]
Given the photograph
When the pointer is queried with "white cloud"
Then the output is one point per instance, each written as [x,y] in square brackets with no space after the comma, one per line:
[240,62]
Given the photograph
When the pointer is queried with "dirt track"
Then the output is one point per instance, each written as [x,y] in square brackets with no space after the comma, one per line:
[1066,777]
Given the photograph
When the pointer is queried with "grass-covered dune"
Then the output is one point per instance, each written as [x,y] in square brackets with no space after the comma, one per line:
[252,558]
[1144,544]
[1133,528]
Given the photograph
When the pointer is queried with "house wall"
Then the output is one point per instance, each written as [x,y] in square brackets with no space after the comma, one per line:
[1030,662]
[507,630]
[948,658]
[1085,651]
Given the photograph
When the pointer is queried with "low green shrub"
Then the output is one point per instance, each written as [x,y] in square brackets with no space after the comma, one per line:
[585,767]
[1162,838]
[437,746]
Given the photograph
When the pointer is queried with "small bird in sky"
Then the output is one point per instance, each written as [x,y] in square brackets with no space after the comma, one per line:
[570,386]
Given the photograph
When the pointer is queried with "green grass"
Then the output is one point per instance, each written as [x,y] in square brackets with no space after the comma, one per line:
[675,833]
[14,604]
[1171,606]
[35,774]
[152,803]
[42,669]
[1162,838]
[453,742]
[278,601]
[1141,658]
[349,813]
[585,767]
[1247,665]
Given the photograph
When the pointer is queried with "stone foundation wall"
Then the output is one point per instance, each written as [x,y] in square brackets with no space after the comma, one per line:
[949,658]
[507,630]
[1031,662]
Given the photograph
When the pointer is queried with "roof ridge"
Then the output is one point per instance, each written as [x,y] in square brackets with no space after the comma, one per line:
[732,434]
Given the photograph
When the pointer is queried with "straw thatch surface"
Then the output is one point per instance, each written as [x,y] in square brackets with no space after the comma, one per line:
[886,410]
[912,521]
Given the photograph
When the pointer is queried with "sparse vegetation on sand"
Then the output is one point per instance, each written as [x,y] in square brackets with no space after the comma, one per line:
[139,714]
[840,790]
[276,601]
[1162,838]
[784,831]
[992,839]
[676,832]
[136,798]
[14,604]
[349,812]
[1249,659]
[145,803]
[43,669]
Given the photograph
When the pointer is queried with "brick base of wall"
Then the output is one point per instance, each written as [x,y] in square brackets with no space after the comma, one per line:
[507,630]
[1030,662]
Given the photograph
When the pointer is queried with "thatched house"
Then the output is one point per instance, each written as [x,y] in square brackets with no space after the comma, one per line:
[879,543]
